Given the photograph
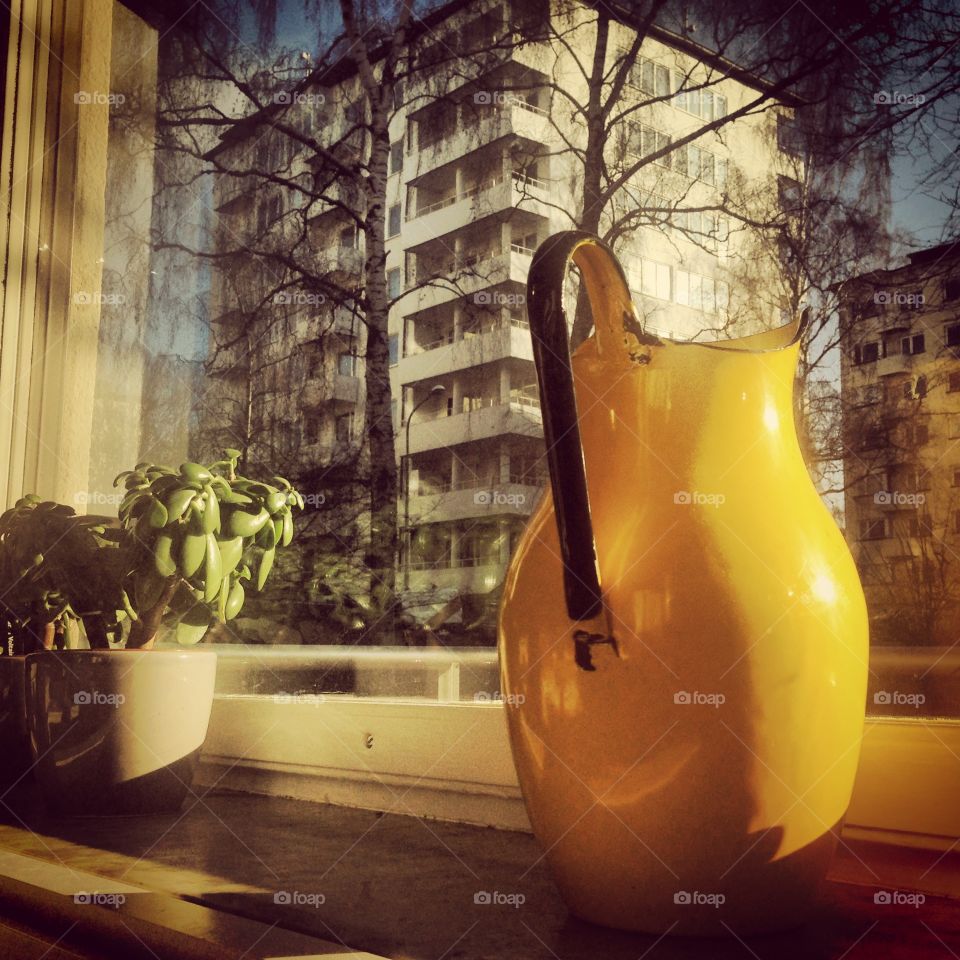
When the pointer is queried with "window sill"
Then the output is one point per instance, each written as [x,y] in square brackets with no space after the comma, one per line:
[400,886]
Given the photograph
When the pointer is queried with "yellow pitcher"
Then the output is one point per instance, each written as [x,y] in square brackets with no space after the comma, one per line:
[683,634]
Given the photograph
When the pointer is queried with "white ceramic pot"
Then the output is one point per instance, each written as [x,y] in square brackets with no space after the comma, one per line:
[118,732]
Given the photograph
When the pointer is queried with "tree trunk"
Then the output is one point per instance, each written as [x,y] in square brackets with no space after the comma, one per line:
[592,200]
[381,556]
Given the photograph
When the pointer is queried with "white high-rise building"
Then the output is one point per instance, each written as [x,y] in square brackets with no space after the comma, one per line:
[479,176]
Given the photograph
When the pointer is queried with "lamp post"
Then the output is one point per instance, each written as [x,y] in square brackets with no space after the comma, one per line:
[436,390]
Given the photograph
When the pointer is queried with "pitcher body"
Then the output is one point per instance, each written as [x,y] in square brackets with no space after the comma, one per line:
[686,741]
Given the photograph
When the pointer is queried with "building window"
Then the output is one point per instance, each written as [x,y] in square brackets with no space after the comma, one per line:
[951,334]
[787,138]
[396,157]
[920,526]
[347,364]
[348,238]
[394,347]
[655,279]
[789,193]
[311,429]
[915,388]
[343,428]
[873,529]
[951,288]
[917,434]
[956,476]
[394,280]
[953,382]
[874,438]
[956,522]
[393,220]
[914,344]
[866,352]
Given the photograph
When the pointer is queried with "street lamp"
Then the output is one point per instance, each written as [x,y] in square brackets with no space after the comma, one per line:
[437,390]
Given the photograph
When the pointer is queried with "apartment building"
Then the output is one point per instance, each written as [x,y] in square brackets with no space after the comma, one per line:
[900,385]
[479,176]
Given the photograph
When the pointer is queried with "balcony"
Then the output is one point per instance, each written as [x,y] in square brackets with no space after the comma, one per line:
[475,501]
[470,278]
[231,189]
[454,212]
[347,261]
[510,117]
[321,391]
[521,417]
[505,340]
[458,577]
[898,363]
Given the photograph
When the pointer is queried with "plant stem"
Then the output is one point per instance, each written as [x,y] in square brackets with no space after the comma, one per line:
[143,632]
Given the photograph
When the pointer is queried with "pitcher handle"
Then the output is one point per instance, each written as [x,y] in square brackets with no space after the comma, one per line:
[619,331]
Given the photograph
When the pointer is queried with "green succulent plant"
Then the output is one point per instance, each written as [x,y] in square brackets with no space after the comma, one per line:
[192,537]
[57,570]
